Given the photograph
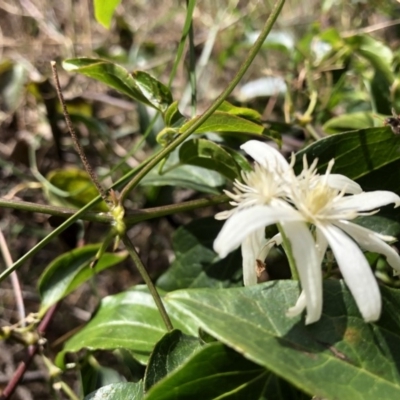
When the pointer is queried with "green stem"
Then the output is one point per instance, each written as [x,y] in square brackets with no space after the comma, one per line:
[143,272]
[131,217]
[185,134]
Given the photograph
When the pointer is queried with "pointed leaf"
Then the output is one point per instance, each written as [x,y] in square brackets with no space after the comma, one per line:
[369,156]
[363,358]
[129,320]
[213,372]
[139,86]
[104,10]
[118,391]
[168,354]
[207,154]
[70,270]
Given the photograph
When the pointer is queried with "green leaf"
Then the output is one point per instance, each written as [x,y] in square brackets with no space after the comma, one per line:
[139,85]
[168,354]
[172,115]
[128,320]
[243,112]
[380,93]
[104,10]
[213,372]
[75,189]
[225,122]
[70,270]
[207,154]
[362,357]
[379,55]
[196,264]
[118,391]
[12,85]
[347,122]
[369,156]
[186,176]
[156,93]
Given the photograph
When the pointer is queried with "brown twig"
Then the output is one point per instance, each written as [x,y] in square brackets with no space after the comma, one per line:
[72,132]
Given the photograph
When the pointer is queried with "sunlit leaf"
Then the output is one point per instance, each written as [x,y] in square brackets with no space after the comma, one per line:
[128,320]
[104,10]
[70,270]
[118,391]
[361,357]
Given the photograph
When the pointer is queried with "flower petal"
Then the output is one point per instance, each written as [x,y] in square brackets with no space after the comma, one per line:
[251,248]
[340,182]
[356,272]
[371,241]
[299,307]
[302,246]
[322,245]
[367,201]
[265,155]
[244,222]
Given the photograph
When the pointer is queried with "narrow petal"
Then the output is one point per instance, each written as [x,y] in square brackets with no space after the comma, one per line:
[322,245]
[340,182]
[371,241]
[275,241]
[305,255]
[244,222]
[299,307]
[367,201]
[251,248]
[265,155]
[356,272]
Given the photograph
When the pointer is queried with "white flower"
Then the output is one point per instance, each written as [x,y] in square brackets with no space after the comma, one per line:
[312,212]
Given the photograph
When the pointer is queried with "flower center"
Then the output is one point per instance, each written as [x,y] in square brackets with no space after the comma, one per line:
[317,200]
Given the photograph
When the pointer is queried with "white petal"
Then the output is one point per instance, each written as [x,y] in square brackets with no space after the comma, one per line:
[368,200]
[356,272]
[265,155]
[244,222]
[305,254]
[371,241]
[340,182]
[275,241]
[251,248]
[298,308]
[322,245]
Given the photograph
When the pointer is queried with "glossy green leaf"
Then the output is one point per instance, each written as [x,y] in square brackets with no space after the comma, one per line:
[209,155]
[369,156]
[139,85]
[156,93]
[213,372]
[196,264]
[222,121]
[76,189]
[172,115]
[353,121]
[128,320]
[104,11]
[186,176]
[70,270]
[244,112]
[168,354]
[363,358]
[381,95]
[118,391]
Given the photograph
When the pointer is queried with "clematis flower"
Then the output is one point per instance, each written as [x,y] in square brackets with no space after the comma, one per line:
[313,211]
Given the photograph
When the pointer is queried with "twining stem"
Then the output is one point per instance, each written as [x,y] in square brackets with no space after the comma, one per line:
[145,276]
[185,134]
[75,139]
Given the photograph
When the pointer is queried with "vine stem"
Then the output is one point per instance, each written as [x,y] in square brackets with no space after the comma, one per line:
[146,277]
[184,135]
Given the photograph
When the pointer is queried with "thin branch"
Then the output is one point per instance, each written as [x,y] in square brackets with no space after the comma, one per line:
[75,139]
